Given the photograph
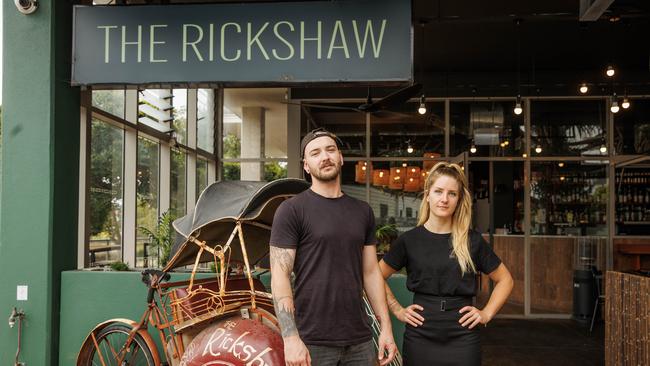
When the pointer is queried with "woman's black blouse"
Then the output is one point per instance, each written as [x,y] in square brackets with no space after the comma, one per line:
[431,266]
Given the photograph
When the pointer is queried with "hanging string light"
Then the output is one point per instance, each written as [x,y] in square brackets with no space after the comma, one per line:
[423,106]
[584,88]
[610,71]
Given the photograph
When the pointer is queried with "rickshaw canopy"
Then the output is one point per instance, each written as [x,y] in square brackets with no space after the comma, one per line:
[218,210]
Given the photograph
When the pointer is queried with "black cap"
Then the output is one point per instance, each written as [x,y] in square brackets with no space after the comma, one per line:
[314,134]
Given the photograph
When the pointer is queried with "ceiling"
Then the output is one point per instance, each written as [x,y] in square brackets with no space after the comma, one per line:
[500,48]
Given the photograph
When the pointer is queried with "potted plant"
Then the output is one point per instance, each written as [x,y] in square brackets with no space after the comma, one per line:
[162,237]
[385,234]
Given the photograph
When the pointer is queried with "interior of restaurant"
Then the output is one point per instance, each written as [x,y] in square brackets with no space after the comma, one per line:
[556,149]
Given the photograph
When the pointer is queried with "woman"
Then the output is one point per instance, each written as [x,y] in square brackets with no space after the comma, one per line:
[442,257]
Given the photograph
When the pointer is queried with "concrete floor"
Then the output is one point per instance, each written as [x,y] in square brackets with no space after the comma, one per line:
[545,342]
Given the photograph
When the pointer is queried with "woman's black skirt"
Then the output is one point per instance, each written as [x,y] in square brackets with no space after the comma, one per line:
[441,340]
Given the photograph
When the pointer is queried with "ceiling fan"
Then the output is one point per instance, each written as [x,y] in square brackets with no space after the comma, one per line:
[392,100]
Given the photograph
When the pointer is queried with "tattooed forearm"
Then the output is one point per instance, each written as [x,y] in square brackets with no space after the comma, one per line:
[282,259]
[284,311]
[281,267]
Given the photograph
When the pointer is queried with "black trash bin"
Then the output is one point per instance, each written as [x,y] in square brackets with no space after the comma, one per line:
[583,295]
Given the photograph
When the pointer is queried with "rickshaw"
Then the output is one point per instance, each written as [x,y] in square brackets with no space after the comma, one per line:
[226,319]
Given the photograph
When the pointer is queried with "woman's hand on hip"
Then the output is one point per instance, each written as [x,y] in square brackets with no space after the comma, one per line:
[473,317]
[410,315]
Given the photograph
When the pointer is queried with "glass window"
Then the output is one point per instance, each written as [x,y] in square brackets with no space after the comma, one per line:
[179,114]
[201,176]
[111,101]
[272,170]
[633,200]
[205,120]
[491,127]
[106,193]
[255,124]
[395,195]
[154,106]
[147,180]
[632,128]
[568,198]
[567,128]
[404,132]
[178,193]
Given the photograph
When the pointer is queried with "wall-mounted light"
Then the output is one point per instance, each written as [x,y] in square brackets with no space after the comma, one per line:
[173,142]
[423,106]
[626,103]
[584,88]
[610,71]
[518,109]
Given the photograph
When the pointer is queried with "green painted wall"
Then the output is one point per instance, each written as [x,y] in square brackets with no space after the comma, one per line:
[88,298]
[40,148]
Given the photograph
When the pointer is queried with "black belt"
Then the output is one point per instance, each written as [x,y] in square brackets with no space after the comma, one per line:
[443,303]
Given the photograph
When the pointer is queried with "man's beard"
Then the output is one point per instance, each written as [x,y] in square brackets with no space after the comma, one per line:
[328,176]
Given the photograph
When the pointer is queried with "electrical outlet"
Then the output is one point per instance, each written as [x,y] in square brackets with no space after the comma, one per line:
[21,292]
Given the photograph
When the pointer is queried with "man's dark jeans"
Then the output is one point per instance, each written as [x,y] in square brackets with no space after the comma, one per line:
[356,355]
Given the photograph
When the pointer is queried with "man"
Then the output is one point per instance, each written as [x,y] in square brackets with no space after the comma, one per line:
[327,239]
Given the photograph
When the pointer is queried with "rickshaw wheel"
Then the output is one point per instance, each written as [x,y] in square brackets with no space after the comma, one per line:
[111,340]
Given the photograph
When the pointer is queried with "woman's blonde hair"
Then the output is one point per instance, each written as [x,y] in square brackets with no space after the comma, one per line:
[462,217]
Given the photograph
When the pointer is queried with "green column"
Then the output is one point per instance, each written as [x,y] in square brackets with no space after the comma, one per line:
[40,159]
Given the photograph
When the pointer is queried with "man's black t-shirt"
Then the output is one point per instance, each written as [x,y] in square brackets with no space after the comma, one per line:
[329,235]
[431,267]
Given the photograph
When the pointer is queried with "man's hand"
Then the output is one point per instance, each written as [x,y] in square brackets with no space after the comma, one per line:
[410,316]
[295,352]
[386,344]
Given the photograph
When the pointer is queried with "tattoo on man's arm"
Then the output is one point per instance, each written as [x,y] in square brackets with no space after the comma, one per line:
[284,311]
[282,259]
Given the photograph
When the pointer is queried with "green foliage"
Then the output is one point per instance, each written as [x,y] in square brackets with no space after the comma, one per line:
[274,171]
[231,146]
[119,266]
[162,236]
[385,234]
[105,197]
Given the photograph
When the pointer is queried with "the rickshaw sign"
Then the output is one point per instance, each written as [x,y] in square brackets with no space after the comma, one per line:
[293,42]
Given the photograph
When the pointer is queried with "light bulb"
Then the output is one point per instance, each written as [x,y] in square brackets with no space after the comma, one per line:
[524,155]
[538,149]
[472,149]
[560,164]
[562,177]
[584,88]
[413,170]
[614,108]
[626,103]
[397,171]
[603,149]
[381,174]
[506,143]
[610,71]
[410,149]
[423,106]
[502,144]
[404,165]
[363,167]
[518,110]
